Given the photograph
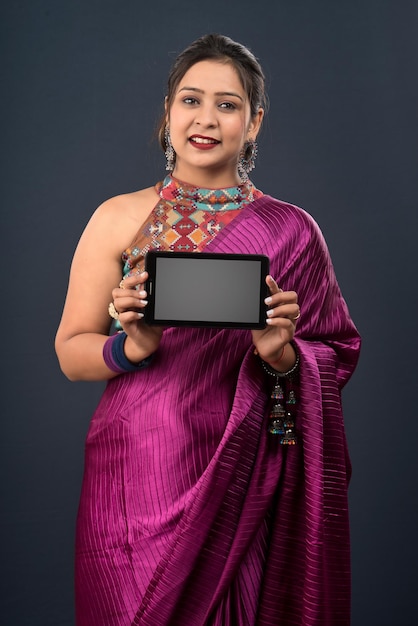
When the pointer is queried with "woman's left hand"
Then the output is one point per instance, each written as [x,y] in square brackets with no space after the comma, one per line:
[283,312]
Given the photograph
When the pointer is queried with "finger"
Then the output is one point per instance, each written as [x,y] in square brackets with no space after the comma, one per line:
[297,315]
[132,282]
[272,285]
[285,311]
[283,323]
[285,316]
[129,303]
[132,285]
[130,316]
[283,298]
[282,312]
[127,314]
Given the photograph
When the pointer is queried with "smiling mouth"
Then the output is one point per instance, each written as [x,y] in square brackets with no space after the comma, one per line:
[204,140]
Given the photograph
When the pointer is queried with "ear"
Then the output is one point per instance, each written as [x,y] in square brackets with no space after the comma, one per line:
[255,124]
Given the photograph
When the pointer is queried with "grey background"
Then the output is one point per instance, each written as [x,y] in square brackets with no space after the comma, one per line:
[82,87]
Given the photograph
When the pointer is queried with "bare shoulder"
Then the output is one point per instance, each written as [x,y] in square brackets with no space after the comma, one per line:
[120,217]
[133,207]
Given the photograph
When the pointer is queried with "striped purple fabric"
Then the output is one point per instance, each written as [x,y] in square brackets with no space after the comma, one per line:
[191,514]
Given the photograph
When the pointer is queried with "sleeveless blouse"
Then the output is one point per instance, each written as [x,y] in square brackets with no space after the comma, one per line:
[186,218]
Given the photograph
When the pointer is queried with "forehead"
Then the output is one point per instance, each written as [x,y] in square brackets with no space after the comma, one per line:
[216,76]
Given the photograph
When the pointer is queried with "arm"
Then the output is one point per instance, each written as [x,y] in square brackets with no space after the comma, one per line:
[95,273]
[300,260]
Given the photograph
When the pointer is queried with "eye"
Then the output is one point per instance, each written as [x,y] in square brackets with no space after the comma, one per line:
[190,100]
[228,106]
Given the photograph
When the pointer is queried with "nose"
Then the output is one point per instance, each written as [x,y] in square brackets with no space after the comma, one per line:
[206,116]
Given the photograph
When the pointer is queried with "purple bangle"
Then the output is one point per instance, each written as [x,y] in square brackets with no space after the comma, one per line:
[115,358]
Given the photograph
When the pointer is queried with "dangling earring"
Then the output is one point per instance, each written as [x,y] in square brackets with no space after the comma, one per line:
[170,155]
[247,158]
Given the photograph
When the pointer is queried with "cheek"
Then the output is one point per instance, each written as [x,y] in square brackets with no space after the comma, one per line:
[240,127]
[238,132]
[177,125]
[176,115]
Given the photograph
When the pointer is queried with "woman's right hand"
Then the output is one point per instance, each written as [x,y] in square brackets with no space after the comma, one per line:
[129,300]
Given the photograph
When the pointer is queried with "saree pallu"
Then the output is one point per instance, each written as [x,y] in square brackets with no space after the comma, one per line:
[192,514]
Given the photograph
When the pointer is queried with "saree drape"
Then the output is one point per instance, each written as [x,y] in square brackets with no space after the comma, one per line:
[190,512]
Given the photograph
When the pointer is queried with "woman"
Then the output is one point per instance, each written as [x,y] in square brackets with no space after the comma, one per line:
[193,509]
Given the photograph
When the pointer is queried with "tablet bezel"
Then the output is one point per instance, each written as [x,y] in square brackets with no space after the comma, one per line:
[152,285]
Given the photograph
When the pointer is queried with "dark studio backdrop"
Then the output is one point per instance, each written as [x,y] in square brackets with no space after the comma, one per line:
[82,87]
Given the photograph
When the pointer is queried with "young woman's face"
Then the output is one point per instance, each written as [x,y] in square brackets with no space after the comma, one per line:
[210,120]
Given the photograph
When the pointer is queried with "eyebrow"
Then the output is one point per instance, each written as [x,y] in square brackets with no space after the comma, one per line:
[218,93]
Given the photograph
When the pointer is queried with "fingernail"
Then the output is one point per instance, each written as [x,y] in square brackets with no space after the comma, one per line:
[142,294]
[143,302]
[140,315]
[268,300]
[268,321]
[270,312]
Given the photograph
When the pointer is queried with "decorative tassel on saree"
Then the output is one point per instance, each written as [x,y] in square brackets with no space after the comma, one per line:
[283,409]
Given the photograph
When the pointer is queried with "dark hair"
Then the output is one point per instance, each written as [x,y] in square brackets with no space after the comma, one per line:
[218,48]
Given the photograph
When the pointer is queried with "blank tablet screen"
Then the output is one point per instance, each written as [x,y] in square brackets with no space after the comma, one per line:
[203,289]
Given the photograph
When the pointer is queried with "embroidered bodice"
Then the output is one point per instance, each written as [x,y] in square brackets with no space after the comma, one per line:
[186,218]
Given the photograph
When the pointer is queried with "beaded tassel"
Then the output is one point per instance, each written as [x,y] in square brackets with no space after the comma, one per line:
[282,412]
[281,421]
[277,411]
[277,393]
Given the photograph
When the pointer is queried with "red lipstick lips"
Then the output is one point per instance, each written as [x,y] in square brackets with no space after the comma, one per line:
[203,143]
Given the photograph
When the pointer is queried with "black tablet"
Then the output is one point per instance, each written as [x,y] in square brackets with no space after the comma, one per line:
[206,289]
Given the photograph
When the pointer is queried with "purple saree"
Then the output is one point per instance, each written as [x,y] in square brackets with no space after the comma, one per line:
[191,514]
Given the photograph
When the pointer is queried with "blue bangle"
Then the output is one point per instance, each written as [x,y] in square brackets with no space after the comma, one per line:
[115,358]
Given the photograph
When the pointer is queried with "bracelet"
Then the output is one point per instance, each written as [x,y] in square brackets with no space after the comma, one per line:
[272,372]
[115,358]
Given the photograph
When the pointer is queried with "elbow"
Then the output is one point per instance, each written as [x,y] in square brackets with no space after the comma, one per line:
[79,361]
[65,365]
[67,370]
[69,375]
